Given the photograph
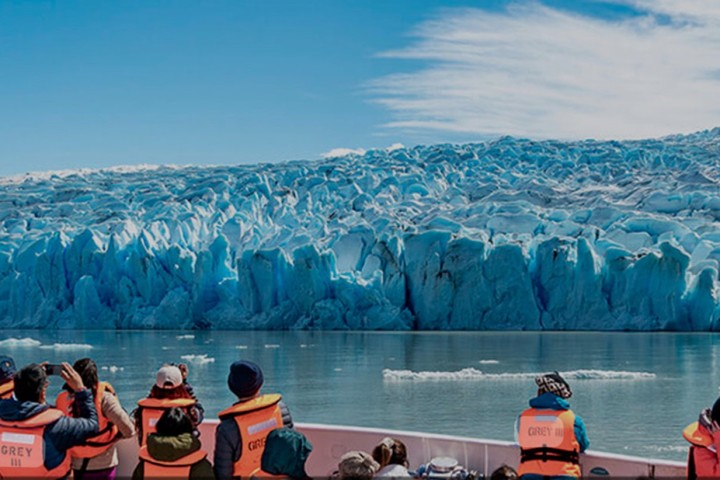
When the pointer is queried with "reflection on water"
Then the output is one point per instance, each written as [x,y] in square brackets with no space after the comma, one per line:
[335,377]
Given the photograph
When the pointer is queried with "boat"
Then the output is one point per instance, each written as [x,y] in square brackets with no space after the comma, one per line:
[483,456]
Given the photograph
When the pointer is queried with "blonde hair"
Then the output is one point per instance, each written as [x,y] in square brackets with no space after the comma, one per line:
[357,465]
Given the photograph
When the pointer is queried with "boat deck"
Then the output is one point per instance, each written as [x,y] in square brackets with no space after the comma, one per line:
[484,456]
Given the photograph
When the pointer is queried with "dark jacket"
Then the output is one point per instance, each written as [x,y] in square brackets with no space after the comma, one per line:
[286,452]
[61,435]
[228,444]
[169,449]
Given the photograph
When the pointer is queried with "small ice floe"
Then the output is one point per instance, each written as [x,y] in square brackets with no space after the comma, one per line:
[112,368]
[488,362]
[241,347]
[201,359]
[185,337]
[271,345]
[337,369]
[19,342]
[64,347]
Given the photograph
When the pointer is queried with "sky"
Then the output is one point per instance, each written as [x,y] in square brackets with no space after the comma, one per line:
[95,83]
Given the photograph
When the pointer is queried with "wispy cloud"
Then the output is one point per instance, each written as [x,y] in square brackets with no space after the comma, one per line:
[533,70]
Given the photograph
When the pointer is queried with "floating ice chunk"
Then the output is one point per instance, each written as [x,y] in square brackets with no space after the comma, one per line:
[474,374]
[62,347]
[185,337]
[19,343]
[241,347]
[489,362]
[201,359]
[268,345]
[112,368]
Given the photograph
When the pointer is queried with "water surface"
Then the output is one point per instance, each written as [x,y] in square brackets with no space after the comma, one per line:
[337,377]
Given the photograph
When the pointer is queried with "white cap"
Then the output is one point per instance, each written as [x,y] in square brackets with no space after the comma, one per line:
[169,377]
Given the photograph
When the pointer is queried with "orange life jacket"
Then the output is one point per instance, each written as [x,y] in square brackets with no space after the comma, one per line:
[107,431]
[180,468]
[6,390]
[151,409]
[22,448]
[255,419]
[548,446]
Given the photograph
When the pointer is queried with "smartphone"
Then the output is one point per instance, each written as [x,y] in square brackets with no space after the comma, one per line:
[52,369]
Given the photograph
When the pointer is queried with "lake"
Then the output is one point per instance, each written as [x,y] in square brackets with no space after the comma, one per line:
[635,391]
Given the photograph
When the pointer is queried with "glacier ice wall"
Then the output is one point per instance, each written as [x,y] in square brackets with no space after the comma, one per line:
[508,234]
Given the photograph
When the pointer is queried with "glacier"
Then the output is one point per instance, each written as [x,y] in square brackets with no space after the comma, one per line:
[509,234]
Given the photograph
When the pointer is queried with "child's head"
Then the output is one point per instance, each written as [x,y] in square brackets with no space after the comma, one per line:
[390,451]
[504,472]
[357,465]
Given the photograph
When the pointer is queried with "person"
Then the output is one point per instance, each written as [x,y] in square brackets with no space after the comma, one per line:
[169,391]
[285,454]
[173,450]
[7,370]
[391,455]
[356,465]
[704,439]
[97,459]
[238,447]
[504,472]
[35,437]
[550,435]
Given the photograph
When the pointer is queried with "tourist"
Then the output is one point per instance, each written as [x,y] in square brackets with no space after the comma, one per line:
[53,434]
[96,458]
[704,438]
[7,370]
[550,452]
[356,465]
[391,455]
[504,472]
[173,451]
[238,450]
[169,391]
[285,454]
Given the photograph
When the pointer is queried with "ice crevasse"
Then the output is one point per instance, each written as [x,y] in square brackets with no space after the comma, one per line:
[510,234]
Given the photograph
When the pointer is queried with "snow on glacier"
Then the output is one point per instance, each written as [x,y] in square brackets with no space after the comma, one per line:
[506,234]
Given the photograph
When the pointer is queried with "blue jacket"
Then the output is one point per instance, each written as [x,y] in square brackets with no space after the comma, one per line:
[551,401]
[61,435]
[228,444]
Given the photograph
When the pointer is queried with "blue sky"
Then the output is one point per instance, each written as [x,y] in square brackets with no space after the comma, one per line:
[91,84]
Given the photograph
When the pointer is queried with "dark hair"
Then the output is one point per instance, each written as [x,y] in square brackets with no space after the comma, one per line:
[87,369]
[504,472]
[174,422]
[29,383]
[390,451]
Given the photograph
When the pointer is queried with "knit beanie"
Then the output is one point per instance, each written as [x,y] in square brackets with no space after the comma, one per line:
[553,383]
[7,368]
[245,378]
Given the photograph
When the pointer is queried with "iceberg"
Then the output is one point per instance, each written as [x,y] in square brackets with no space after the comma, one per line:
[509,234]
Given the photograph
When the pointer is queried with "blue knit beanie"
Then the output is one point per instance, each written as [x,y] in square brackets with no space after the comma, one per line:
[7,368]
[245,378]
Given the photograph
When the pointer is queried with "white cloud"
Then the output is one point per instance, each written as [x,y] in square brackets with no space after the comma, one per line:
[341,152]
[541,72]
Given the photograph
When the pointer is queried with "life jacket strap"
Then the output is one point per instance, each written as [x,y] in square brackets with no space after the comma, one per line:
[547,454]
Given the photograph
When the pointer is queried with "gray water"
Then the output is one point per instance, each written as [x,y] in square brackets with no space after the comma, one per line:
[337,377]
